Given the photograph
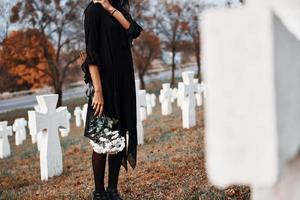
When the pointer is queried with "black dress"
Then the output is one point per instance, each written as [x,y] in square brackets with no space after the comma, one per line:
[108,45]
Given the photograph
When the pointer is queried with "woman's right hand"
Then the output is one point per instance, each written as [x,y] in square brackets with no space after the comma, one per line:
[98,103]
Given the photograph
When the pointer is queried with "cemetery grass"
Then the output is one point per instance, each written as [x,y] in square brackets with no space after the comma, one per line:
[170,166]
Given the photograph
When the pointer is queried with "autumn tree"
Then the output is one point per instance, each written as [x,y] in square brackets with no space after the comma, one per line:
[24,58]
[147,46]
[146,49]
[60,22]
[190,26]
[168,26]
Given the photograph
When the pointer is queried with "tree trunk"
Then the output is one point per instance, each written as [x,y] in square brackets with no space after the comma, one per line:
[198,67]
[141,77]
[197,55]
[58,91]
[173,68]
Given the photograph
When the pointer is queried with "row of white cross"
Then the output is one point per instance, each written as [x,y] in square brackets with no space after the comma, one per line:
[45,121]
[188,94]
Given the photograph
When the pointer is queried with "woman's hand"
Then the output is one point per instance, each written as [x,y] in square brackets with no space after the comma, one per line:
[105,4]
[98,103]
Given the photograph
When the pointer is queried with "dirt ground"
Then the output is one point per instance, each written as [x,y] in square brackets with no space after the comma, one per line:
[170,166]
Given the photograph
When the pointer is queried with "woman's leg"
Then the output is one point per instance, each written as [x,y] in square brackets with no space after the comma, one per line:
[98,162]
[114,162]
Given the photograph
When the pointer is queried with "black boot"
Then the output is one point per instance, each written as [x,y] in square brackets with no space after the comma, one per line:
[113,194]
[99,196]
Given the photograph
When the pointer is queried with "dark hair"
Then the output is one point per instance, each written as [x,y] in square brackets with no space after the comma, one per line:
[122,5]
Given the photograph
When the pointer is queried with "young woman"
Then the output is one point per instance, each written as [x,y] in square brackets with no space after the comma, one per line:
[109,31]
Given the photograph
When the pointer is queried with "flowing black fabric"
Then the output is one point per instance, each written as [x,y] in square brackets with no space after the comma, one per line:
[108,45]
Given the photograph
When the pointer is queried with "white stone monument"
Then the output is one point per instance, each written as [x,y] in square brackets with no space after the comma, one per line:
[77,114]
[188,99]
[83,113]
[35,136]
[19,127]
[50,118]
[153,100]
[65,131]
[179,91]
[198,93]
[5,131]
[165,99]
[143,104]
[174,94]
[252,104]
[149,104]
[140,101]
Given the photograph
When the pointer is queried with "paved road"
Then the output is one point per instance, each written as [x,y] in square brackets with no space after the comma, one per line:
[30,100]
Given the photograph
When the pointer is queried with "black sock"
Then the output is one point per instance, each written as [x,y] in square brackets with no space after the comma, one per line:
[114,162]
[98,162]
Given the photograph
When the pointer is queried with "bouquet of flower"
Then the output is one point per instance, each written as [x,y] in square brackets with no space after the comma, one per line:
[103,137]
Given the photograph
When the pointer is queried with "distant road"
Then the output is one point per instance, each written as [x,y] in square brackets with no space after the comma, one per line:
[30,100]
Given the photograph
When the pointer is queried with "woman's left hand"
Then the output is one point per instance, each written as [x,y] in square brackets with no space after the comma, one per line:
[105,4]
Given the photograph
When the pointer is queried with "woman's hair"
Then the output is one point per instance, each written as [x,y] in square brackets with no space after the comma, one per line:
[123,5]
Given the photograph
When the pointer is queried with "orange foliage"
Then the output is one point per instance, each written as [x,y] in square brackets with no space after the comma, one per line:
[24,57]
[146,48]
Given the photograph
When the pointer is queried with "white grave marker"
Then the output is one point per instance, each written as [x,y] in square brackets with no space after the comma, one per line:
[83,113]
[35,136]
[174,94]
[19,127]
[5,131]
[140,101]
[77,114]
[198,93]
[143,104]
[51,119]
[65,131]
[165,99]
[252,108]
[153,100]
[179,91]
[188,100]
[149,103]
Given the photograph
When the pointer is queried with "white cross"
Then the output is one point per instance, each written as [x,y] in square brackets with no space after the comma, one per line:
[153,100]
[35,136]
[83,113]
[252,107]
[140,101]
[149,103]
[188,101]
[5,131]
[77,114]
[65,131]
[165,99]
[143,104]
[174,94]
[51,119]
[20,130]
[198,93]
[179,91]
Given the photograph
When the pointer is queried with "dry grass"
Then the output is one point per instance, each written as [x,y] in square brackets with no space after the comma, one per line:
[170,166]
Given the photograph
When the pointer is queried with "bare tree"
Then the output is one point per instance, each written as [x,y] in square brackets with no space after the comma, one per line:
[190,25]
[168,26]
[60,22]
[146,49]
